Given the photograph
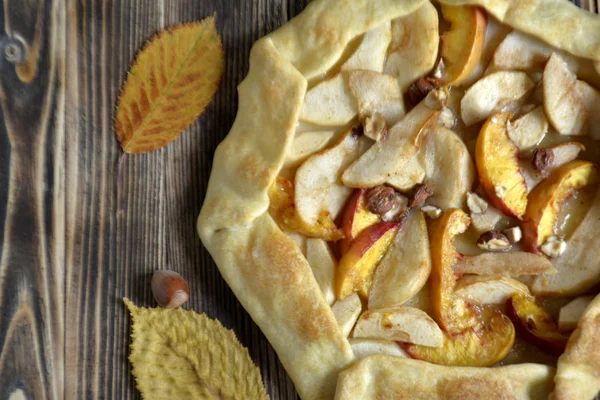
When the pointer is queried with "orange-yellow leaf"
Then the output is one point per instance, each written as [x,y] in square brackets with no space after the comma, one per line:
[170,83]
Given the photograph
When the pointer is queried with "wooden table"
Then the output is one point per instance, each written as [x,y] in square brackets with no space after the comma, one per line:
[82,225]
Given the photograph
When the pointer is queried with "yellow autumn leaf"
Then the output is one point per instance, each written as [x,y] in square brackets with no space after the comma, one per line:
[179,354]
[170,83]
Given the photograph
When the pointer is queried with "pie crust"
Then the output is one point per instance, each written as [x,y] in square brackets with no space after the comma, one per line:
[265,268]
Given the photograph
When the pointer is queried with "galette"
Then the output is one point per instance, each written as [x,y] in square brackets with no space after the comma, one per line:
[408,201]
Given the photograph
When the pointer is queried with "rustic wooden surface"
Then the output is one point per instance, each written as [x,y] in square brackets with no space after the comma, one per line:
[81,226]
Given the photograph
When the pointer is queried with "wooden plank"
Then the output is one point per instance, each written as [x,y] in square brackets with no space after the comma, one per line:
[81,225]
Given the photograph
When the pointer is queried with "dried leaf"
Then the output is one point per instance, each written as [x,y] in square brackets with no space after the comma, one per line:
[168,86]
[179,354]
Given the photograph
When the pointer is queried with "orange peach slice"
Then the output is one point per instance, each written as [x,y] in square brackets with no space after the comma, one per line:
[462,45]
[500,175]
[453,314]
[473,348]
[535,324]
[547,198]
[357,266]
[355,219]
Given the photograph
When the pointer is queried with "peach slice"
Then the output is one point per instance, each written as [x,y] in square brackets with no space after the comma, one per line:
[462,45]
[535,324]
[572,106]
[406,266]
[453,314]
[319,189]
[357,266]
[547,198]
[355,219]
[492,93]
[403,324]
[481,347]
[283,210]
[579,266]
[415,33]
[514,263]
[500,175]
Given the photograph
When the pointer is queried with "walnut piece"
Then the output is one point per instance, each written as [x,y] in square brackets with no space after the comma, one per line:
[514,234]
[432,212]
[419,90]
[542,160]
[447,118]
[420,194]
[493,241]
[554,246]
[375,126]
[400,207]
[380,199]
[476,204]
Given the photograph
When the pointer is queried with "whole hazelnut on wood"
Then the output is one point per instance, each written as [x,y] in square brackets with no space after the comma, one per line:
[170,290]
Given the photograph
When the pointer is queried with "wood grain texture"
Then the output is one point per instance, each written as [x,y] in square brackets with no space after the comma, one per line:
[82,225]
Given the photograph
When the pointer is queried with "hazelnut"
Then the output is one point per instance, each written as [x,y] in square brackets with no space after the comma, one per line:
[375,126]
[396,212]
[447,118]
[380,199]
[554,246]
[419,90]
[420,194]
[493,241]
[476,204]
[170,290]
[500,191]
[542,160]
[514,234]
[432,212]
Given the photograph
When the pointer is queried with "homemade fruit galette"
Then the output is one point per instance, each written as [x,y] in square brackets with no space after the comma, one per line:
[408,201]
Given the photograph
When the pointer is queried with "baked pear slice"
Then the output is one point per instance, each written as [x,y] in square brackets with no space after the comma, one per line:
[406,266]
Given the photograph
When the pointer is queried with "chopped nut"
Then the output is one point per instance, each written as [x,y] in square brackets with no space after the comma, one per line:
[554,246]
[380,199]
[500,191]
[476,204]
[420,194]
[437,99]
[439,68]
[447,118]
[419,90]
[542,160]
[432,211]
[375,126]
[493,241]
[514,234]
[400,206]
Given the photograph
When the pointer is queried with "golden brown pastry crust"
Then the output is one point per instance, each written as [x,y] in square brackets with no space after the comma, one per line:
[578,372]
[391,377]
[264,268]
